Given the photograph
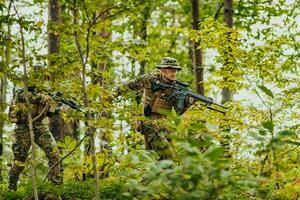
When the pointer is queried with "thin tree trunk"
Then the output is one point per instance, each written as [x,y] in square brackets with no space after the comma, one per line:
[227,94]
[54,13]
[2,110]
[174,39]
[3,93]
[57,126]
[87,147]
[144,35]
[30,121]
[197,61]
[84,58]
[228,12]
[100,67]
[191,57]
[33,147]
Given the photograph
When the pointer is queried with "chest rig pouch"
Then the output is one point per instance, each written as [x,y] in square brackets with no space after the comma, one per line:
[156,100]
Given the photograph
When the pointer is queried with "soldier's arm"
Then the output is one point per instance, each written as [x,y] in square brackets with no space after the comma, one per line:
[42,99]
[139,83]
[37,97]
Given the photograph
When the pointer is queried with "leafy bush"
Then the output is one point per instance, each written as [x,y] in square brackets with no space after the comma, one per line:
[109,189]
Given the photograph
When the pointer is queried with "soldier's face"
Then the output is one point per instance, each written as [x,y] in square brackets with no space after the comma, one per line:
[169,74]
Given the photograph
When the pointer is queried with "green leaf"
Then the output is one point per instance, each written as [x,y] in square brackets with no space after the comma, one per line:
[286,133]
[39,24]
[292,142]
[268,125]
[262,132]
[68,139]
[214,153]
[266,90]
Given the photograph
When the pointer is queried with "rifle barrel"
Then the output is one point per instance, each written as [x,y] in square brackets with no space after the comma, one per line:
[220,111]
[221,106]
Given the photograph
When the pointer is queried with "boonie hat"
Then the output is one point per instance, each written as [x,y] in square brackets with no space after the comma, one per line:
[168,62]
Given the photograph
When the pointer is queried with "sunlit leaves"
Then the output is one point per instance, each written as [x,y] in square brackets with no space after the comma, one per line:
[266,90]
[68,143]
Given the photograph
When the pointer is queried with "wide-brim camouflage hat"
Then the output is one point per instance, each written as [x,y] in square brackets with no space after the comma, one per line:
[168,62]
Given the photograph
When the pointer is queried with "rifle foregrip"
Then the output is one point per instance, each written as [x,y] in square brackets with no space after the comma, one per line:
[204,99]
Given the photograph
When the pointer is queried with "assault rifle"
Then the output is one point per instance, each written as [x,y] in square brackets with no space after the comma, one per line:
[180,93]
[59,97]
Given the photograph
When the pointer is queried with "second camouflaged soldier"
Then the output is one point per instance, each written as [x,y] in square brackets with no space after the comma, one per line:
[41,106]
[154,104]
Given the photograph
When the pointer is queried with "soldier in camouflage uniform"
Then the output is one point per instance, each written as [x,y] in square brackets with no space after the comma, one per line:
[41,106]
[154,102]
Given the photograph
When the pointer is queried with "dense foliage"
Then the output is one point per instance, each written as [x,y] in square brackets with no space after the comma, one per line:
[249,153]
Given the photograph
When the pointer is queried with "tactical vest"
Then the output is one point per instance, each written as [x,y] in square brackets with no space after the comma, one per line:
[155,102]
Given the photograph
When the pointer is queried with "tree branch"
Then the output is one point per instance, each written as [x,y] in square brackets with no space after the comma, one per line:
[59,161]
[219,8]
[29,115]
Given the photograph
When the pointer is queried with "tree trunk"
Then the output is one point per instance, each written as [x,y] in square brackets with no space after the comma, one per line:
[30,121]
[191,57]
[227,94]
[54,13]
[33,147]
[58,127]
[3,93]
[144,35]
[197,60]
[100,67]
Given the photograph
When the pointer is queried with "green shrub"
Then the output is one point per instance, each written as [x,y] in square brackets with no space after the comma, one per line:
[109,189]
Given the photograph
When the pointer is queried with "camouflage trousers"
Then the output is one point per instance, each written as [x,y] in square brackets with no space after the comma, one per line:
[158,139]
[45,141]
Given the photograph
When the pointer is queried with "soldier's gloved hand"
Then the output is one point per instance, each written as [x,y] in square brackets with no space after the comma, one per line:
[65,108]
[46,99]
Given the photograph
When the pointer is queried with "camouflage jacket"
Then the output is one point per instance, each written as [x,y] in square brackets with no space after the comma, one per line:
[154,102]
[41,105]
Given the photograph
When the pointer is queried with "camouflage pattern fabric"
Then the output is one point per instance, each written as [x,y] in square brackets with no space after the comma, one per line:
[158,139]
[154,100]
[168,62]
[42,136]
[44,140]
